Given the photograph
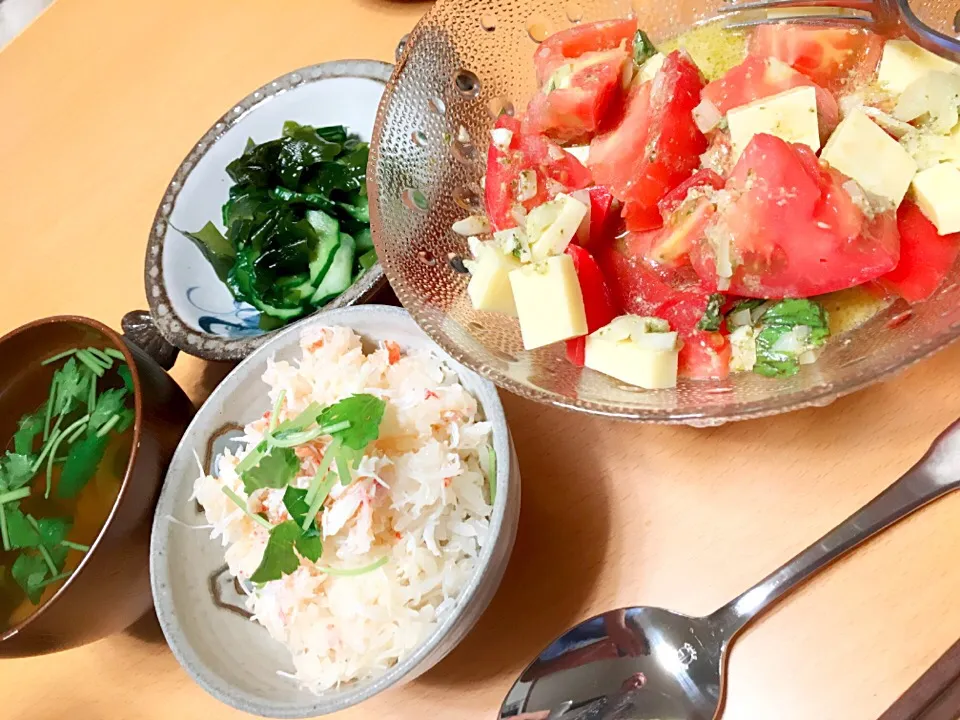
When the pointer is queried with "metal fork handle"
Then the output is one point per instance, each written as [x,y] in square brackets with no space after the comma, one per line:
[936,474]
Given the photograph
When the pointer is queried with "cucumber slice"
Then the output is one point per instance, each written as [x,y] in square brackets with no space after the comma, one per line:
[328,234]
[340,273]
[364,240]
[280,313]
[368,259]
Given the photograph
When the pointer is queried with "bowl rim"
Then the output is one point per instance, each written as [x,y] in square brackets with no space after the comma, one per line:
[815,396]
[117,342]
[168,321]
[182,647]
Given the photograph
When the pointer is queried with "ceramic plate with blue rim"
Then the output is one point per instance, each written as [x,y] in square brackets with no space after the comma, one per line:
[191,306]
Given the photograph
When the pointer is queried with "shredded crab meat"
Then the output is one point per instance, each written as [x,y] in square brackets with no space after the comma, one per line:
[417,497]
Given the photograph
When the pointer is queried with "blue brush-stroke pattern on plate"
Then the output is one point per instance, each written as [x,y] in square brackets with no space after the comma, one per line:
[239,320]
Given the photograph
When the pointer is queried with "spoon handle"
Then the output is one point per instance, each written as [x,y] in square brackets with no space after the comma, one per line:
[936,474]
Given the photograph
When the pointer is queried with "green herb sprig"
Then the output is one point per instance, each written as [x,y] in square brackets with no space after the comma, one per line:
[71,429]
[352,424]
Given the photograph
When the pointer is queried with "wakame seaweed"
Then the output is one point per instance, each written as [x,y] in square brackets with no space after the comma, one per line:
[297,222]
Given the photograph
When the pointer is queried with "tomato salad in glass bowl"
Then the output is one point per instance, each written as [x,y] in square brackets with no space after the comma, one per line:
[694,209]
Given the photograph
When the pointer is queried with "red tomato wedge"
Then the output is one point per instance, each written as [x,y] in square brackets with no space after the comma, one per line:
[676,296]
[555,170]
[612,154]
[598,303]
[602,214]
[925,256]
[575,106]
[705,178]
[656,145]
[828,56]
[685,217]
[566,45]
[760,77]
[792,230]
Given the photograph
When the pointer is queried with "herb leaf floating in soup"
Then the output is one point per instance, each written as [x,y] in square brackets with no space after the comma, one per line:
[53,496]
[297,222]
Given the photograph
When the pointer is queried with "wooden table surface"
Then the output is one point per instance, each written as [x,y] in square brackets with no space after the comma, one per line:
[100,101]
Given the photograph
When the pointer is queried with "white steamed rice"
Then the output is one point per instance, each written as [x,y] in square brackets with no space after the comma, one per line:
[419,497]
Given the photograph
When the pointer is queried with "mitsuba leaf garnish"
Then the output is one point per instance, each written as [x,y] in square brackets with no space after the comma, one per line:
[788,329]
[310,546]
[74,425]
[16,470]
[81,464]
[276,468]
[71,383]
[711,315]
[21,533]
[110,403]
[29,427]
[124,372]
[364,412]
[279,559]
[30,570]
[295,501]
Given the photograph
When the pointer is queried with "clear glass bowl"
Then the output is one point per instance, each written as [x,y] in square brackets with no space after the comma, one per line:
[463,63]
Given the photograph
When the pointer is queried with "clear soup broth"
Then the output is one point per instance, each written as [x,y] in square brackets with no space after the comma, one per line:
[60,476]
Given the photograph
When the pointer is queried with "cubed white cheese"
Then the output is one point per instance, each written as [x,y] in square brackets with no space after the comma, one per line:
[550,227]
[790,115]
[936,191]
[862,151]
[904,61]
[549,302]
[489,287]
[636,350]
[651,67]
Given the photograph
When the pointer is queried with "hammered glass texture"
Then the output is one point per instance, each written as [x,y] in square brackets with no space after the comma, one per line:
[427,161]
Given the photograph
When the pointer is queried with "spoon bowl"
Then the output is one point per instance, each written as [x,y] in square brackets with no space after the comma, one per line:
[646,663]
[643,663]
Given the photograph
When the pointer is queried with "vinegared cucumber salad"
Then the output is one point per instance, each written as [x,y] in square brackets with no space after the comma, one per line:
[719,202]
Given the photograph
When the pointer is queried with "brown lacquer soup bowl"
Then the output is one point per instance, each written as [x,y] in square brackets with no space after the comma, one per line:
[108,586]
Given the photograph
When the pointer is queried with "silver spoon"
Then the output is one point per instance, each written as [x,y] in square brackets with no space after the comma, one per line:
[647,663]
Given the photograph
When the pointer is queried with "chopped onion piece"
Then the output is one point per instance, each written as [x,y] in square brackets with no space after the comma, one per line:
[473,225]
[761,310]
[580,152]
[739,318]
[809,357]
[656,340]
[721,240]
[793,342]
[519,215]
[555,153]
[706,116]
[527,185]
[501,137]
[463,135]
[895,127]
